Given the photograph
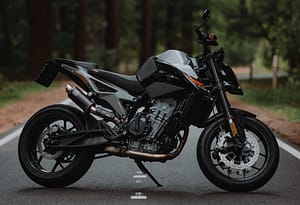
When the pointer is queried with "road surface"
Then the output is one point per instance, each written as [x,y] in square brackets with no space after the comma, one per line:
[118,181]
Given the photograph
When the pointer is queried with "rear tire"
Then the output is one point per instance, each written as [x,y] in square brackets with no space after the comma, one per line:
[52,169]
[225,170]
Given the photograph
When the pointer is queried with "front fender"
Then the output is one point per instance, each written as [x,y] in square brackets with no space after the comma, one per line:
[220,116]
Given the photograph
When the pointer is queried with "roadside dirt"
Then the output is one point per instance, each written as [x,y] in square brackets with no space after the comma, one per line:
[18,112]
[285,128]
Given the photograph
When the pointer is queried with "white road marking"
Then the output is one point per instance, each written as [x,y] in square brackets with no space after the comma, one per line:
[138,197]
[139,176]
[138,181]
[288,148]
[10,136]
[139,172]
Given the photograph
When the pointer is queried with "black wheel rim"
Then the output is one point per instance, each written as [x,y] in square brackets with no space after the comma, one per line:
[43,160]
[238,167]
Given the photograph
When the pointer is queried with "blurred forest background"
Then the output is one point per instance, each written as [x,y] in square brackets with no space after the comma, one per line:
[121,34]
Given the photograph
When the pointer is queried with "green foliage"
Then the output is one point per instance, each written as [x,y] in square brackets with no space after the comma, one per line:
[11,91]
[14,46]
[95,30]
[239,52]
[228,22]
[264,52]
[276,21]
[63,42]
[129,42]
[282,100]
[293,82]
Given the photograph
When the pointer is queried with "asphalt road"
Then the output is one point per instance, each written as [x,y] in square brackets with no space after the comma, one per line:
[111,181]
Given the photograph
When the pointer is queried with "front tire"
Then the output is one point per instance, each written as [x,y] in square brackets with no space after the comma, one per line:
[238,170]
[48,168]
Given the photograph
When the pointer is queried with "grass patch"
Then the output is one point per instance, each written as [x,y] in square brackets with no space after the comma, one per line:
[282,100]
[12,91]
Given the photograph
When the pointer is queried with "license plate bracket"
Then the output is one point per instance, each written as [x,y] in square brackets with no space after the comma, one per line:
[48,74]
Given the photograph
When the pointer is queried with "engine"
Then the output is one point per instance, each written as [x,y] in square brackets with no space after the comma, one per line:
[146,128]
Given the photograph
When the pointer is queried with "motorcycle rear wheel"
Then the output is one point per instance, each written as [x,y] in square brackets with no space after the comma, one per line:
[52,168]
[238,170]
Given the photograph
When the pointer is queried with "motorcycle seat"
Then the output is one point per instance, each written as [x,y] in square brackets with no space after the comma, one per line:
[73,63]
[128,82]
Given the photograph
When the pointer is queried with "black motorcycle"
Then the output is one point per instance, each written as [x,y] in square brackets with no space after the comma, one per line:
[146,117]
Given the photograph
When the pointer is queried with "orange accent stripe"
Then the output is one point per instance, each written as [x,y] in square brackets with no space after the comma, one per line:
[197,82]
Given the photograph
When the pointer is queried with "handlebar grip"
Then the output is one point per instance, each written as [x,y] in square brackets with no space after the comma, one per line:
[212,37]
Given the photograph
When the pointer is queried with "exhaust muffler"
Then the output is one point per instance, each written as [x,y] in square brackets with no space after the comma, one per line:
[80,99]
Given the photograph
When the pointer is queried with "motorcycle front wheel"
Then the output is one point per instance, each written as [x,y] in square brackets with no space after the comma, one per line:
[238,167]
[52,168]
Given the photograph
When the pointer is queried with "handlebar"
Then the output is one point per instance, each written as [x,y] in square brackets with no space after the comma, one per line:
[206,39]
[201,35]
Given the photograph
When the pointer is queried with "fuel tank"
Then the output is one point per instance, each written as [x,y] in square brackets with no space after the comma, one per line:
[163,74]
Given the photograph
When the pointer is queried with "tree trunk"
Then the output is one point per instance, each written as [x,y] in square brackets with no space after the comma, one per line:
[187,26]
[62,22]
[169,30]
[275,70]
[251,73]
[80,31]
[146,36]
[154,37]
[112,32]
[5,54]
[40,20]
[293,59]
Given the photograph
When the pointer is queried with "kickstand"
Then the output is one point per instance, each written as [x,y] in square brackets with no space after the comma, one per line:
[142,167]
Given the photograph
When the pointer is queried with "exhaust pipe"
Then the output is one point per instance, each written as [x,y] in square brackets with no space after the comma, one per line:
[123,152]
[80,99]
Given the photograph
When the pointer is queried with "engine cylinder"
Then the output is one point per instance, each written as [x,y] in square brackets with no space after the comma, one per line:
[138,125]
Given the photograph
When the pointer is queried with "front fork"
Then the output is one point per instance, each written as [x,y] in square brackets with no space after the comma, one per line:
[233,117]
[223,105]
